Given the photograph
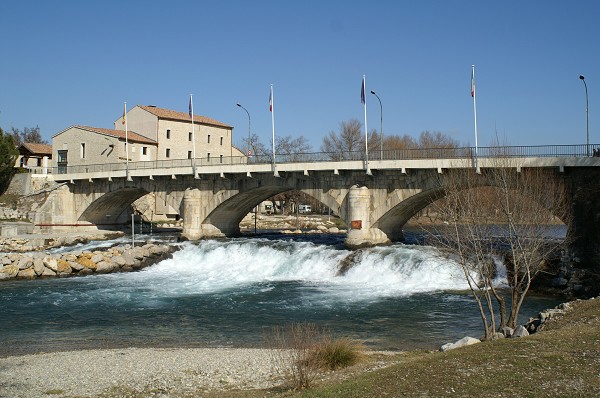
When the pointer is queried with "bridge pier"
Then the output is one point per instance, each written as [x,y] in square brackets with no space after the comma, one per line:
[195,216]
[360,233]
[583,233]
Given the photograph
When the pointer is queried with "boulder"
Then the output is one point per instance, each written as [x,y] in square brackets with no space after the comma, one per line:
[86,262]
[75,266]
[333,230]
[96,258]
[48,272]
[119,260]
[38,266]
[520,331]
[28,273]
[465,341]
[507,332]
[104,267]
[9,271]
[50,262]
[25,262]
[63,267]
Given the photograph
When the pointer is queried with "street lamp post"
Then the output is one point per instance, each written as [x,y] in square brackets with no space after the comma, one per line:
[380,126]
[248,113]
[587,120]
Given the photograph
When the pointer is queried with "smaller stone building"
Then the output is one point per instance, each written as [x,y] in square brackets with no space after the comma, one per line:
[35,157]
[88,146]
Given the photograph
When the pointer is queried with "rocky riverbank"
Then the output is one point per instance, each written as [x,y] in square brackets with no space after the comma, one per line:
[115,259]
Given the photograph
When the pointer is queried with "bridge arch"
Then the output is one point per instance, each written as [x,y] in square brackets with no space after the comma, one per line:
[219,213]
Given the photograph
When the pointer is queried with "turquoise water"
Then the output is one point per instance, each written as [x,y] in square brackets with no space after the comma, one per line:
[232,292]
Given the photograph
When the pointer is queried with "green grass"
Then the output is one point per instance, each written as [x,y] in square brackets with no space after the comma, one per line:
[561,361]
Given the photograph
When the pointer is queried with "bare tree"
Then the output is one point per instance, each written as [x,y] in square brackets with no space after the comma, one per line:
[508,224]
[349,139]
[293,148]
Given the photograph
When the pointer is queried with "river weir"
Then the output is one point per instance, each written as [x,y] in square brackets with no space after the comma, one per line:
[232,292]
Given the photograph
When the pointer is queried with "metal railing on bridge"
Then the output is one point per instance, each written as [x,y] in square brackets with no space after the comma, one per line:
[581,150]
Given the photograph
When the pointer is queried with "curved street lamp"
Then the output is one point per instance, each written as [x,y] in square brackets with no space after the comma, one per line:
[587,120]
[380,126]
[248,113]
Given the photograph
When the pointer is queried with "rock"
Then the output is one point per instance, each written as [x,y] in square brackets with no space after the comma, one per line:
[86,262]
[25,262]
[48,272]
[104,267]
[38,266]
[507,332]
[10,270]
[120,261]
[75,266]
[28,273]
[465,341]
[96,258]
[520,331]
[5,260]
[50,262]
[129,260]
[63,267]
[547,314]
[156,250]
[333,230]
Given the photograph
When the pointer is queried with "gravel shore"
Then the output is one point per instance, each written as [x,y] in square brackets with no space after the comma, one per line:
[168,372]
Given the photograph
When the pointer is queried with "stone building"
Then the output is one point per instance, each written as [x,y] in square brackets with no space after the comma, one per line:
[210,139]
[34,156]
[88,146]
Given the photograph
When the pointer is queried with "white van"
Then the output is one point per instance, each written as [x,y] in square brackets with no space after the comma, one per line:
[304,209]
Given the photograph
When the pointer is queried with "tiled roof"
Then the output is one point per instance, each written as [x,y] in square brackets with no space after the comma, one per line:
[131,136]
[38,149]
[181,116]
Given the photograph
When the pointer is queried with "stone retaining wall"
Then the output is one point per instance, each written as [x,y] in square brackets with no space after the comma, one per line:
[114,259]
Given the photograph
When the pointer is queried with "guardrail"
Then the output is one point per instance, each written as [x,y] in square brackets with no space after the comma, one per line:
[580,150]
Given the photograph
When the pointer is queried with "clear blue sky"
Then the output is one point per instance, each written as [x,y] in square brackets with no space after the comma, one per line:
[76,62]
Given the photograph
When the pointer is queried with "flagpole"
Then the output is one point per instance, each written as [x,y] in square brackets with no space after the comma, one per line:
[191,111]
[364,101]
[126,143]
[474,95]
[272,100]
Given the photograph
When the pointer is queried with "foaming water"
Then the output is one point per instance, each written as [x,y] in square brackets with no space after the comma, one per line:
[228,292]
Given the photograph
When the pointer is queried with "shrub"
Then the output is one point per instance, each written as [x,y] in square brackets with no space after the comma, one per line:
[301,351]
[338,353]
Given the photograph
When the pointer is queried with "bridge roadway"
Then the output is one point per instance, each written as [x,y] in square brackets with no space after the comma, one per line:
[374,203]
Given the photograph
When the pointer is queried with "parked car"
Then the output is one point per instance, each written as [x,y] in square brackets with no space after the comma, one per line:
[304,209]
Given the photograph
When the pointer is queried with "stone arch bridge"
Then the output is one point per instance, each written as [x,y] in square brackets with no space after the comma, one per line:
[374,201]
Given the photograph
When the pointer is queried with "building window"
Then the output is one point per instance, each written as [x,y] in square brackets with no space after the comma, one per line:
[221,141]
[83,150]
[62,162]
[209,138]
[221,159]
[168,134]
[39,162]
[189,154]
[168,152]
[208,157]
[189,136]
[144,150]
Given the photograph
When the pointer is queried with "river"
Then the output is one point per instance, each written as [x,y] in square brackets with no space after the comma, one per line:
[232,292]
